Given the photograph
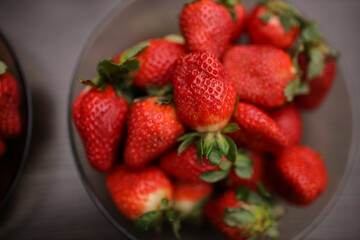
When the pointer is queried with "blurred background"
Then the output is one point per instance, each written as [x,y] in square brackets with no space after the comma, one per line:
[47,35]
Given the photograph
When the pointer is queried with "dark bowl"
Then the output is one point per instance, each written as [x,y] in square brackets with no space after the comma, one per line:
[330,129]
[13,161]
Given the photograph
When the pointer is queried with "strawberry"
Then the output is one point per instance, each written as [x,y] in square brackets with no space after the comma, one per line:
[261,74]
[275,23]
[153,128]
[156,62]
[241,20]
[289,121]
[243,214]
[100,118]
[205,97]
[99,112]
[320,84]
[144,196]
[258,131]
[317,63]
[10,119]
[190,198]
[186,166]
[204,94]
[138,192]
[2,147]
[206,25]
[238,177]
[301,175]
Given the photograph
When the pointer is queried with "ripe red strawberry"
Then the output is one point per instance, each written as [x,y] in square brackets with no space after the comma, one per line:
[153,128]
[204,94]
[275,23]
[261,73]
[2,147]
[10,119]
[258,173]
[241,20]
[186,166]
[206,25]
[243,214]
[144,196]
[320,84]
[289,122]
[99,113]
[138,192]
[301,175]
[100,119]
[205,97]
[258,131]
[156,62]
[190,198]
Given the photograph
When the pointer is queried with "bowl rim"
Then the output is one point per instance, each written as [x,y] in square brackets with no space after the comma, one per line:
[352,156]
[105,19]
[26,87]
[353,152]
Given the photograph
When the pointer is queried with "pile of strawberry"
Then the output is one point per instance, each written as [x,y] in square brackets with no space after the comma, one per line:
[10,119]
[193,124]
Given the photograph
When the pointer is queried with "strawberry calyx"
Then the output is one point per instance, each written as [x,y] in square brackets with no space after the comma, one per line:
[258,215]
[164,91]
[230,5]
[242,167]
[3,67]
[296,88]
[289,16]
[118,75]
[312,43]
[155,219]
[212,145]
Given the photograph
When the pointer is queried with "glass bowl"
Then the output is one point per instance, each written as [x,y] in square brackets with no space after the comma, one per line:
[329,129]
[13,161]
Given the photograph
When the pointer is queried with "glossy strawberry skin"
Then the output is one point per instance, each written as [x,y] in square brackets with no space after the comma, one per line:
[260,73]
[204,94]
[319,86]
[100,119]
[258,131]
[271,33]
[2,147]
[289,121]
[215,209]
[187,195]
[186,166]
[206,25]
[152,129]
[137,192]
[193,192]
[10,119]
[156,63]
[301,175]
[241,20]
[258,173]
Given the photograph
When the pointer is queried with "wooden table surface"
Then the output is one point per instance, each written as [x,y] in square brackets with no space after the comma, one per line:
[49,201]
